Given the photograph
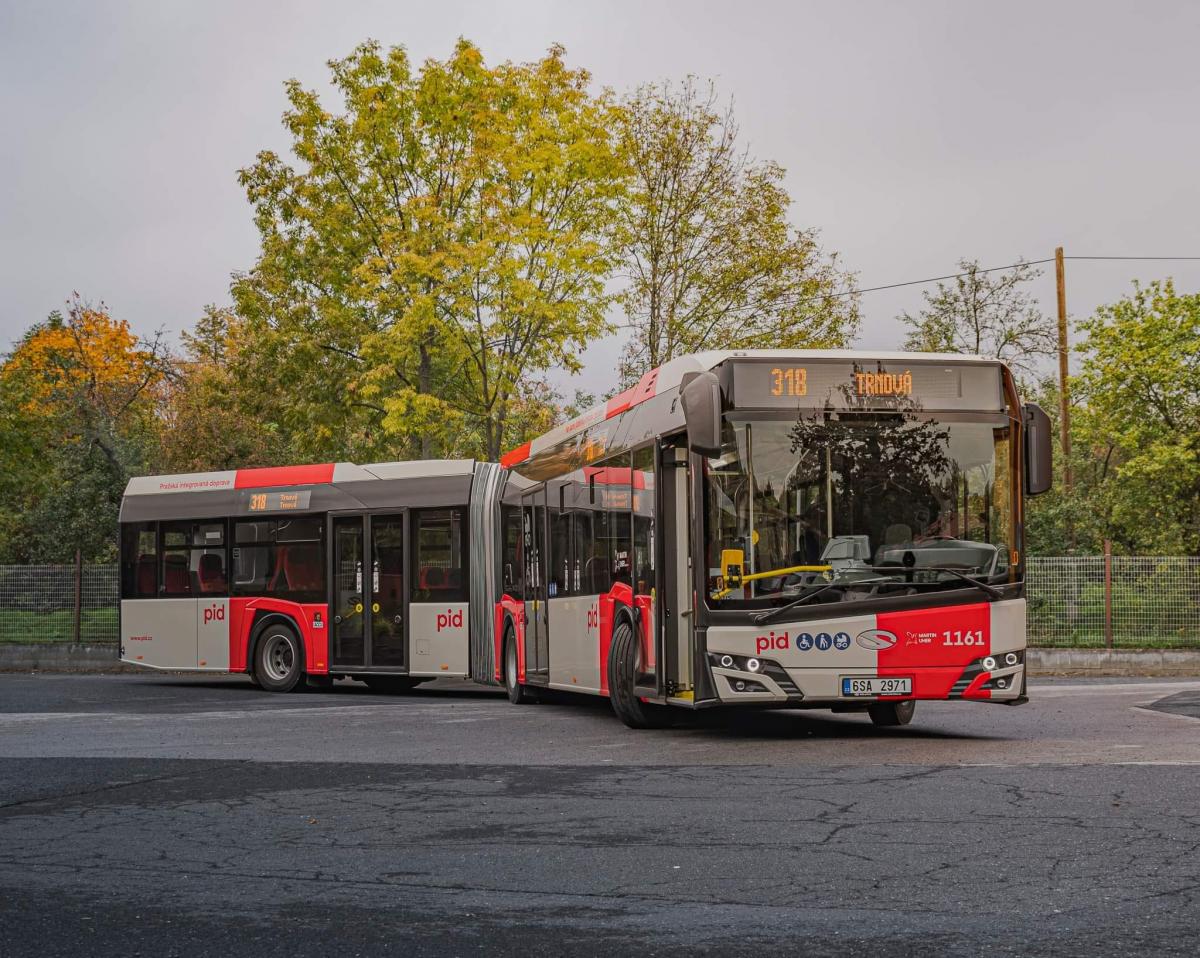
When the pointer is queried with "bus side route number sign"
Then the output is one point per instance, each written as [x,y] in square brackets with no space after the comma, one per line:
[275,501]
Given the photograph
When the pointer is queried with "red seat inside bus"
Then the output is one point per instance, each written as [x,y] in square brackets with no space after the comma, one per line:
[433,577]
[147,574]
[212,572]
[299,569]
[177,580]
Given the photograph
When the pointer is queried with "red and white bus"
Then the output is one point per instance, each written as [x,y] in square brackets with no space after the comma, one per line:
[795,529]
[303,572]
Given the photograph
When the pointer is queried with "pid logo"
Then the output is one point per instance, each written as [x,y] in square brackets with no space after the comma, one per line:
[450,619]
[770,643]
[214,613]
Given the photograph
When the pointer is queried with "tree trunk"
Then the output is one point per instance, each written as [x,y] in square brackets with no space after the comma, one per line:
[424,375]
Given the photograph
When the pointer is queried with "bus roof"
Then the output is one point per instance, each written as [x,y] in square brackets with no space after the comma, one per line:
[333,485]
[668,377]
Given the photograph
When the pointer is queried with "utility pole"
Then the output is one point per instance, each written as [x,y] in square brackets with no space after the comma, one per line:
[1064,396]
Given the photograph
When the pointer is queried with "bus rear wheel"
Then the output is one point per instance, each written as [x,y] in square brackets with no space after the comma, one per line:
[622,671]
[891,714]
[518,694]
[279,659]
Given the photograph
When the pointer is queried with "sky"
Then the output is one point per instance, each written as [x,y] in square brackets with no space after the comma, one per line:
[913,134]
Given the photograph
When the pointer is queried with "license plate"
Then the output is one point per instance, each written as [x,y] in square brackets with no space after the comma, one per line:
[876,686]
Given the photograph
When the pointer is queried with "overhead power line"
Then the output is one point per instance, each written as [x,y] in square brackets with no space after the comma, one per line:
[938,279]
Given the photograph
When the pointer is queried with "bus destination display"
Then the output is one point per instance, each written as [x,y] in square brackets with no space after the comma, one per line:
[275,501]
[758,385]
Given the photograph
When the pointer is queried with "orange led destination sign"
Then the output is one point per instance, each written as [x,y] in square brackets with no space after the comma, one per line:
[276,501]
[884,384]
[866,384]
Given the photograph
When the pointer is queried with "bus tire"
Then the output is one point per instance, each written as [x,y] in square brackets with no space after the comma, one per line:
[518,694]
[279,658]
[622,667]
[891,714]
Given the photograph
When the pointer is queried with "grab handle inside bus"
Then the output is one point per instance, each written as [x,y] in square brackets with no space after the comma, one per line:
[1039,451]
[700,394]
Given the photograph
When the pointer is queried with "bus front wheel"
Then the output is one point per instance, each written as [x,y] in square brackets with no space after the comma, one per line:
[518,694]
[279,659]
[891,714]
[622,670]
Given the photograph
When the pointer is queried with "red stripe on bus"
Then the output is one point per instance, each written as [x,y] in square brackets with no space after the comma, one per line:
[283,476]
[520,454]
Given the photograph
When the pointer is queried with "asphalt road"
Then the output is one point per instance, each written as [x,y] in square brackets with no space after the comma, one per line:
[166,815]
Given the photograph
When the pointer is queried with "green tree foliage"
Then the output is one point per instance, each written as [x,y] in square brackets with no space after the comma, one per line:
[984,314]
[80,393]
[1135,432]
[710,259]
[215,415]
[440,242]
[1139,388]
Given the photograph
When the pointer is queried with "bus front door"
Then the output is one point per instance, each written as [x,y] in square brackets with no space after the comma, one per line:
[367,604]
[537,610]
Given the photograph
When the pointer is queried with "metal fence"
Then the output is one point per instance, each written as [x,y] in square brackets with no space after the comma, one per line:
[1120,602]
[59,603]
[1123,602]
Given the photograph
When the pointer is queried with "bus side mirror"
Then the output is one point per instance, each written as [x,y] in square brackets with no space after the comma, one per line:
[700,395]
[1039,451]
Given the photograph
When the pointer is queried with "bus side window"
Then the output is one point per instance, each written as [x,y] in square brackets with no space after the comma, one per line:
[438,537]
[512,555]
[176,577]
[139,560]
[561,580]
[643,521]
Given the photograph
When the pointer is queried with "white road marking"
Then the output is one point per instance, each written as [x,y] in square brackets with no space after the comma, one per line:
[1115,688]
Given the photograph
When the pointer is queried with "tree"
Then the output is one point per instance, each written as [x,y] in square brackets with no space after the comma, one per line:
[86,390]
[985,314]
[440,242]
[710,259]
[1139,386]
[215,414]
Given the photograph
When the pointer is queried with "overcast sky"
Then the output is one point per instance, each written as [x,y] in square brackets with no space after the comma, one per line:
[913,134]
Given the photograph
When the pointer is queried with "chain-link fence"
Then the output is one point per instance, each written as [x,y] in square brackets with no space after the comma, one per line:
[1120,602]
[38,603]
[1135,602]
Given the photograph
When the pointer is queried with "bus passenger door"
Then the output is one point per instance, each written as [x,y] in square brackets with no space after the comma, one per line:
[389,647]
[675,581]
[533,522]
[347,604]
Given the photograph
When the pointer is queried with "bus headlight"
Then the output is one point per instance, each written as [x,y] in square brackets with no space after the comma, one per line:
[753,665]
[989,664]
[1011,658]
[726,661]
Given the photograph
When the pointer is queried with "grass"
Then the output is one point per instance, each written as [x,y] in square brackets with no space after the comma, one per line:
[96,626]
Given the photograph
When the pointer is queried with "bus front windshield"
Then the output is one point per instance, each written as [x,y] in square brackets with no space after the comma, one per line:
[851,506]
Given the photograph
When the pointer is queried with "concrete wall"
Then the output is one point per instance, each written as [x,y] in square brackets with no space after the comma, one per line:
[60,657]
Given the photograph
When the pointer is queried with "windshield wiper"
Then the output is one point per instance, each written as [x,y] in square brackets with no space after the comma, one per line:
[957,573]
[775,613]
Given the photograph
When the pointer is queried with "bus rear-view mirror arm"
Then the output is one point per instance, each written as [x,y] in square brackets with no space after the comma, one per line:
[1039,450]
[700,394]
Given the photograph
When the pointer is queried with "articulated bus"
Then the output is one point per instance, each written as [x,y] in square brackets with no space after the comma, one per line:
[300,574]
[773,529]
[779,529]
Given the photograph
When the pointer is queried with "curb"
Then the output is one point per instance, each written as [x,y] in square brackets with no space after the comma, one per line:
[1116,662]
